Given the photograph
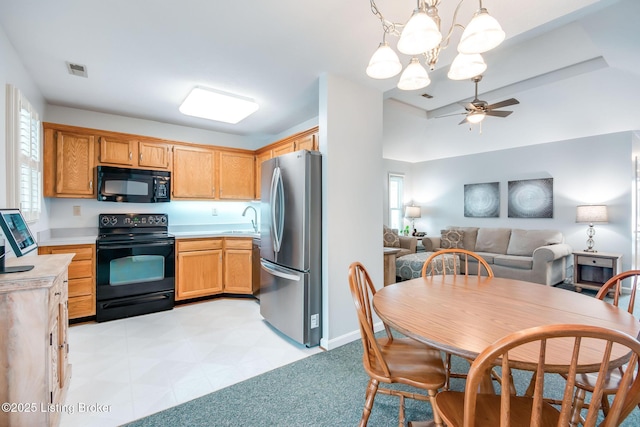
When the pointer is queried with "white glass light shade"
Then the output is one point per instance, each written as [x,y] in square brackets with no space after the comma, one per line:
[476,117]
[466,66]
[216,105]
[414,76]
[384,63]
[421,34]
[482,34]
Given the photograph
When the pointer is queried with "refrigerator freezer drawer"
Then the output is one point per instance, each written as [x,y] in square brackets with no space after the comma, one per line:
[288,305]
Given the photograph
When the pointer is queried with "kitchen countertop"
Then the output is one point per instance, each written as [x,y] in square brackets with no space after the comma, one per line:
[87,236]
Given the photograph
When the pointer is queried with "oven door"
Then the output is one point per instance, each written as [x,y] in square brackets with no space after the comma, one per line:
[134,268]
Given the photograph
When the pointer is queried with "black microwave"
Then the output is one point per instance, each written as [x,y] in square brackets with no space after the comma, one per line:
[133,185]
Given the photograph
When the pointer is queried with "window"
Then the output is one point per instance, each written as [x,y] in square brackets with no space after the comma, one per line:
[396,197]
[24,155]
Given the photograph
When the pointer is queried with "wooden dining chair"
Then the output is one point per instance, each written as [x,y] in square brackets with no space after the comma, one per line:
[454,262]
[473,409]
[390,359]
[586,383]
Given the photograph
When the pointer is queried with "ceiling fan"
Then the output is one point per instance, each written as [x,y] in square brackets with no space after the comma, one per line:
[477,109]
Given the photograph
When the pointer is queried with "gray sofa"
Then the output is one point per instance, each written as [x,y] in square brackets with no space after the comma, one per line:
[539,256]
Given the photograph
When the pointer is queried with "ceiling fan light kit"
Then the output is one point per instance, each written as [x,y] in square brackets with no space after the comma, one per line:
[422,35]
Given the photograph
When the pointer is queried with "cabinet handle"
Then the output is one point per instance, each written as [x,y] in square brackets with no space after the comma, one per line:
[130,155]
[91,185]
[140,157]
[56,293]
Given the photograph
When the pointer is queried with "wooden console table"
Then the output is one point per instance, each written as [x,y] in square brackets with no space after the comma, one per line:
[33,341]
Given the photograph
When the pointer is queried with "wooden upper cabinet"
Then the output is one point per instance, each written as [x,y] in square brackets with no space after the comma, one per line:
[193,173]
[236,175]
[281,149]
[307,142]
[259,159]
[154,154]
[69,158]
[134,153]
[115,151]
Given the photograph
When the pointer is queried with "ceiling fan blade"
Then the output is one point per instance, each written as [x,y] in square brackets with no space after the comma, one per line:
[463,121]
[505,103]
[468,106]
[498,113]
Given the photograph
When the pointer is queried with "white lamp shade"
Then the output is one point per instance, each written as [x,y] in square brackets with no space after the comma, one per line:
[384,63]
[466,66]
[482,34]
[412,212]
[476,117]
[592,213]
[421,34]
[414,76]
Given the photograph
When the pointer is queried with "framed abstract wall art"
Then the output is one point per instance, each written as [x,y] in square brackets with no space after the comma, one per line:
[530,198]
[482,200]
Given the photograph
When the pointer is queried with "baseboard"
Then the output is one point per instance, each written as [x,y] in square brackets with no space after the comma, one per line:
[346,338]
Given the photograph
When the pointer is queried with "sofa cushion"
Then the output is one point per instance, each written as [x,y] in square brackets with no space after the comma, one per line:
[521,262]
[469,238]
[487,256]
[452,239]
[524,242]
[391,238]
[494,240]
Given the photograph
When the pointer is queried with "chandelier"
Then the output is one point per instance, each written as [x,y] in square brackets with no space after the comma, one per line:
[421,38]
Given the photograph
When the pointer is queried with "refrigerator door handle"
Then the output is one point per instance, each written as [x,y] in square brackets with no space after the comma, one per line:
[277,272]
[272,193]
[277,208]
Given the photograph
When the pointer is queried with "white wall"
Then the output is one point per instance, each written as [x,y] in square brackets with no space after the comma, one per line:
[351,142]
[592,170]
[12,72]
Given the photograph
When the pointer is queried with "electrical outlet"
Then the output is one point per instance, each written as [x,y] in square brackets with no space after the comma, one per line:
[77,211]
[214,212]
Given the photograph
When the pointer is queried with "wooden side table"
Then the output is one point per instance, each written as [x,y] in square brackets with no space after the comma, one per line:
[390,265]
[592,269]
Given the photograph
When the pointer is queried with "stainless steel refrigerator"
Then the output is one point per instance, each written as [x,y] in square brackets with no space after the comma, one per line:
[290,245]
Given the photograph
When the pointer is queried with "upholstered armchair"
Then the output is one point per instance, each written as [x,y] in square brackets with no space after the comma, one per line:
[406,244]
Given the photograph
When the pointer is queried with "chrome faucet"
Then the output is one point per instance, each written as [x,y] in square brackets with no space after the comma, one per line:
[254,222]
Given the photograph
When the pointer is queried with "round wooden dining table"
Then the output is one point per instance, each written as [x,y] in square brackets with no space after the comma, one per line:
[463,315]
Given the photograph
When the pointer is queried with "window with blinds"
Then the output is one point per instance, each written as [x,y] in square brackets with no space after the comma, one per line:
[25,143]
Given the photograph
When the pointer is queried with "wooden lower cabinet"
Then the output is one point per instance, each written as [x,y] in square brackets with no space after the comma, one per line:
[82,277]
[198,268]
[212,266]
[237,266]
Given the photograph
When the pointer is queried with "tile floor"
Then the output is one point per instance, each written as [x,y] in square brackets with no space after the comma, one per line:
[141,365]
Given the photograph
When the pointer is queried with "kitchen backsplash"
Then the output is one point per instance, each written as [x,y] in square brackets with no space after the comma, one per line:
[63,213]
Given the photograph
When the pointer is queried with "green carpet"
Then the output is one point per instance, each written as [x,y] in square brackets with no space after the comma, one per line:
[326,389]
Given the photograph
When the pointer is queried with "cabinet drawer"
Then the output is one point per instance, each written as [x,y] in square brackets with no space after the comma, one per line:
[82,253]
[238,243]
[598,262]
[80,287]
[199,245]
[81,307]
[80,269]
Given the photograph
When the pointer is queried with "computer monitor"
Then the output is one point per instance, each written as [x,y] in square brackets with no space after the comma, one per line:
[17,233]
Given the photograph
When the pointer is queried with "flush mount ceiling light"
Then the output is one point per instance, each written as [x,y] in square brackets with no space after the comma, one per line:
[421,36]
[216,105]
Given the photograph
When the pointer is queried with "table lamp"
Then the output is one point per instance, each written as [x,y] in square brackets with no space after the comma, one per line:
[591,214]
[412,212]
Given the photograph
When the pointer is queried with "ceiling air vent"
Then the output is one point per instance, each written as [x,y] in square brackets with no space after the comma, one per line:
[426,95]
[77,69]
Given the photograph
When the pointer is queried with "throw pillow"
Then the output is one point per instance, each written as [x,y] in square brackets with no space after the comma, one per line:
[451,239]
[391,238]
